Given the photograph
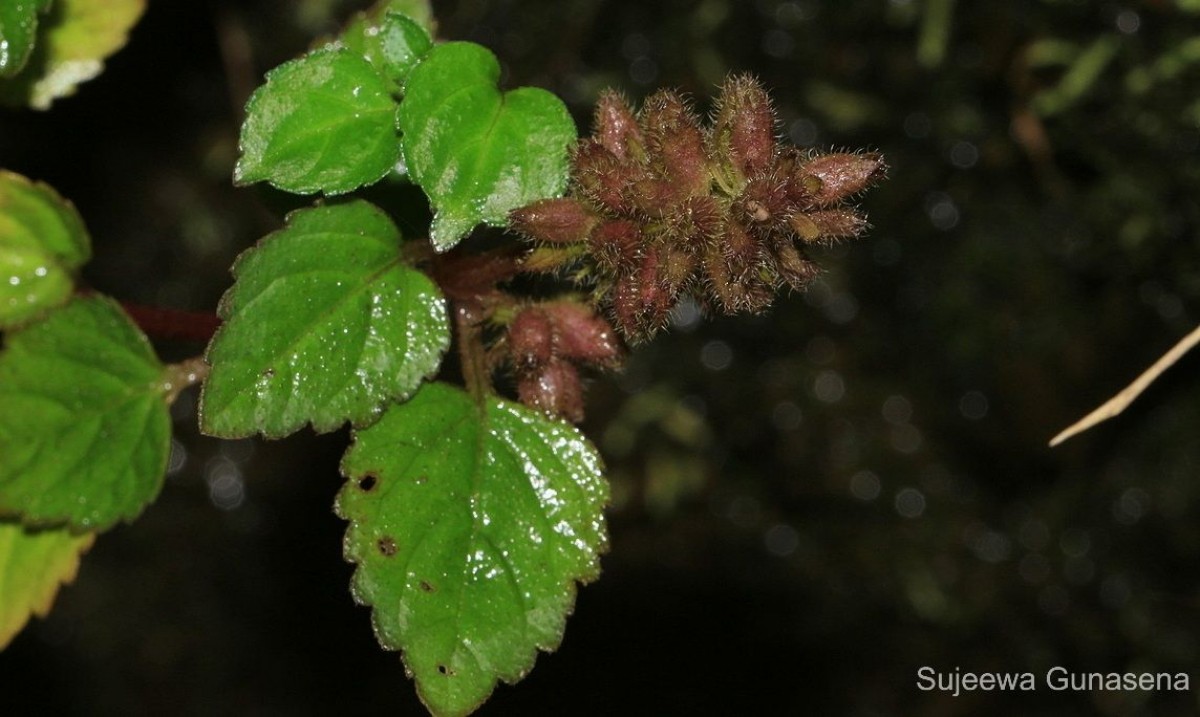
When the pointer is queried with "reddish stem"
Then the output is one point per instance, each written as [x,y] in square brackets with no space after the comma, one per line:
[163,323]
[476,374]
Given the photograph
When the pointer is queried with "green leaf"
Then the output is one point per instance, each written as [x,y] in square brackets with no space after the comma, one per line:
[470,523]
[18,24]
[84,425]
[393,45]
[419,11]
[322,123]
[73,40]
[42,243]
[478,153]
[325,324]
[32,566]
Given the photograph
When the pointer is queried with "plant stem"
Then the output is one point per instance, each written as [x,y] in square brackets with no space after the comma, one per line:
[184,375]
[471,352]
[1121,401]
[163,323]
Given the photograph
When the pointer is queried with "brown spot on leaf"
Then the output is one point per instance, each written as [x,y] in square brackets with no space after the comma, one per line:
[420,480]
[427,586]
[387,546]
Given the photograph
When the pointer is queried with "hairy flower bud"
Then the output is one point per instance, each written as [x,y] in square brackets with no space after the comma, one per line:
[794,268]
[740,272]
[719,213]
[676,270]
[601,177]
[843,175]
[741,250]
[804,227]
[658,197]
[616,128]
[701,220]
[616,245]
[547,259]
[744,127]
[582,335]
[748,291]
[555,389]
[801,188]
[764,202]
[676,143]
[641,301]
[557,221]
[531,339]
[838,223]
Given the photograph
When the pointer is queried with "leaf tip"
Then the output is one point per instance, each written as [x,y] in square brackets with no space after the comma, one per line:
[447,230]
[245,171]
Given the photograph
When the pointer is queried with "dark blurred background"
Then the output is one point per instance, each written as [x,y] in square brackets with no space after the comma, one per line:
[809,505]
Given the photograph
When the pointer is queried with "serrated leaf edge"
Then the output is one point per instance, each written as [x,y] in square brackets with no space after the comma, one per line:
[45,601]
[442,237]
[243,177]
[52,521]
[571,584]
[225,310]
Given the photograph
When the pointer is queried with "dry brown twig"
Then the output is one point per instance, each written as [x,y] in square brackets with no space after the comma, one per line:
[1119,402]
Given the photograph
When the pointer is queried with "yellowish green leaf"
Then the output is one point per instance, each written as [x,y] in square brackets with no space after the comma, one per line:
[73,41]
[42,243]
[33,563]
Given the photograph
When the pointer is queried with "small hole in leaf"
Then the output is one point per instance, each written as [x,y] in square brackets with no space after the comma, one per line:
[367,482]
[387,546]
[427,586]
[445,670]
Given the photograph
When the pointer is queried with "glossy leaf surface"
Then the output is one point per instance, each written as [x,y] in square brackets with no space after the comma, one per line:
[18,26]
[419,11]
[73,40]
[42,243]
[325,323]
[32,566]
[470,524]
[322,123]
[84,426]
[393,44]
[477,152]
